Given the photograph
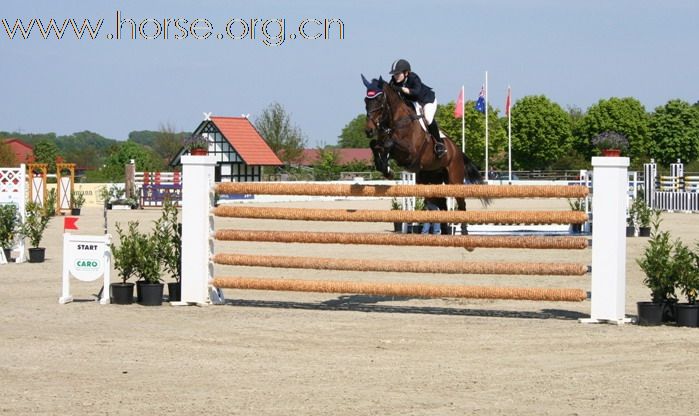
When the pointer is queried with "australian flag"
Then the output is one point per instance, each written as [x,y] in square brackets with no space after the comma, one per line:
[480,102]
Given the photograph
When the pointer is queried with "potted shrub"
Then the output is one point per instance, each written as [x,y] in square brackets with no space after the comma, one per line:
[631,220]
[49,205]
[197,145]
[643,215]
[576,205]
[9,227]
[147,268]
[114,198]
[77,200]
[396,206]
[656,263]
[168,235]
[610,143]
[416,228]
[685,269]
[124,256]
[33,228]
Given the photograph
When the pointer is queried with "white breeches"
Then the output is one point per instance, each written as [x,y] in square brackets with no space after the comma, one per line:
[429,109]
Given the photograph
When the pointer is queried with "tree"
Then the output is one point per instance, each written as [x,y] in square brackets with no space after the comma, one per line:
[674,132]
[622,115]
[475,130]
[540,132]
[327,167]
[46,152]
[122,154]
[286,140]
[7,156]
[353,135]
[167,143]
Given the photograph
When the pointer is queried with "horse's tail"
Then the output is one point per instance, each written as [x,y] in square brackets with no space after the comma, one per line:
[473,176]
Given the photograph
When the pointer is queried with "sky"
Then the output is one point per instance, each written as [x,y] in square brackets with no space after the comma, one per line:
[574,52]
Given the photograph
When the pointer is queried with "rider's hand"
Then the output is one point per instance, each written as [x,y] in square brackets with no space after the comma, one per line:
[405,90]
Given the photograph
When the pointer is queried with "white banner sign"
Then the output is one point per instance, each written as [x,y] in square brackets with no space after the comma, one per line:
[87,258]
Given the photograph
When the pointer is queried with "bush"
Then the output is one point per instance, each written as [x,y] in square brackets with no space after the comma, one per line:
[35,224]
[685,269]
[9,224]
[656,262]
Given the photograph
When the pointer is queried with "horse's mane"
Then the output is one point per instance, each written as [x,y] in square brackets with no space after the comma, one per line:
[394,94]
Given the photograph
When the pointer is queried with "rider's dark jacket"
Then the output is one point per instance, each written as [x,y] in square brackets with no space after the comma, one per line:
[418,91]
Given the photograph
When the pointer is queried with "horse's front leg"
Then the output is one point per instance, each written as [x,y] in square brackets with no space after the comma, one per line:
[380,159]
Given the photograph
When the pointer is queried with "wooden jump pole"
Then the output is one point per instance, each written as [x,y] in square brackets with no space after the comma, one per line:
[406,290]
[402,266]
[470,217]
[383,239]
[427,191]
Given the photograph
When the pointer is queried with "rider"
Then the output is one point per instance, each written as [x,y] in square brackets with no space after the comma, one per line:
[413,88]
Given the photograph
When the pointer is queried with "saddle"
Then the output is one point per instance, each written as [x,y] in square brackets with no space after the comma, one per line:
[419,113]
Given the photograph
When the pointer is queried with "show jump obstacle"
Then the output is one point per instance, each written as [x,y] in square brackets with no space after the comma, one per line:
[199,286]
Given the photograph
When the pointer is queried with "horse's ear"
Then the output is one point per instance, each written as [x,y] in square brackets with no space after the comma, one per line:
[381,81]
[366,83]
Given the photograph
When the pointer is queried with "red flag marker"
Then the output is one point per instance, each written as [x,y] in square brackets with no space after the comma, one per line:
[69,223]
[459,107]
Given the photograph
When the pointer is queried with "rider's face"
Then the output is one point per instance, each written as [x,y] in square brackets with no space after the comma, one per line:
[399,77]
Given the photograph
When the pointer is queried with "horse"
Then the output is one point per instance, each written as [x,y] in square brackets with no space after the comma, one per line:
[401,137]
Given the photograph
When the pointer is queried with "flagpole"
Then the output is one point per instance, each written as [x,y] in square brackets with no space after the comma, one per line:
[463,121]
[509,132]
[486,128]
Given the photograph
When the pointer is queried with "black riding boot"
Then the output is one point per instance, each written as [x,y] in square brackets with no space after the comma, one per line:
[439,148]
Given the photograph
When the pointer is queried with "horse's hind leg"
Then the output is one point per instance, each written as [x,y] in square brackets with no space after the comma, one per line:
[455,176]
[461,206]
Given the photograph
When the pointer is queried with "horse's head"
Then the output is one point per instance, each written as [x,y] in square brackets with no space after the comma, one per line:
[376,124]
[374,102]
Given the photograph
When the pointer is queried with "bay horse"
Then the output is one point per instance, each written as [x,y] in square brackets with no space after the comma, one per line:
[401,137]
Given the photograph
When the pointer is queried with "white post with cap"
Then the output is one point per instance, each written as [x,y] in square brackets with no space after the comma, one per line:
[610,186]
[197,226]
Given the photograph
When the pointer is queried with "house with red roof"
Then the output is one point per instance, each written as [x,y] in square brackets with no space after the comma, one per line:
[24,153]
[239,149]
[310,157]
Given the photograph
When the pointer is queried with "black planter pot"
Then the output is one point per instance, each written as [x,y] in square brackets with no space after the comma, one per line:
[670,311]
[650,313]
[151,294]
[397,227]
[121,293]
[139,283]
[174,291]
[37,255]
[75,211]
[8,254]
[630,231]
[687,315]
[644,232]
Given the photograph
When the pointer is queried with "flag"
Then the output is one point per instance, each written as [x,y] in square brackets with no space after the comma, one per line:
[480,102]
[508,103]
[459,108]
[69,223]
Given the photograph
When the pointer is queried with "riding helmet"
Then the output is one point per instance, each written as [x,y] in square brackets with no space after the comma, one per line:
[400,65]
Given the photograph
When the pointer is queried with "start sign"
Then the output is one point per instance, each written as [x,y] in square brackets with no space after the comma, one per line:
[86,258]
